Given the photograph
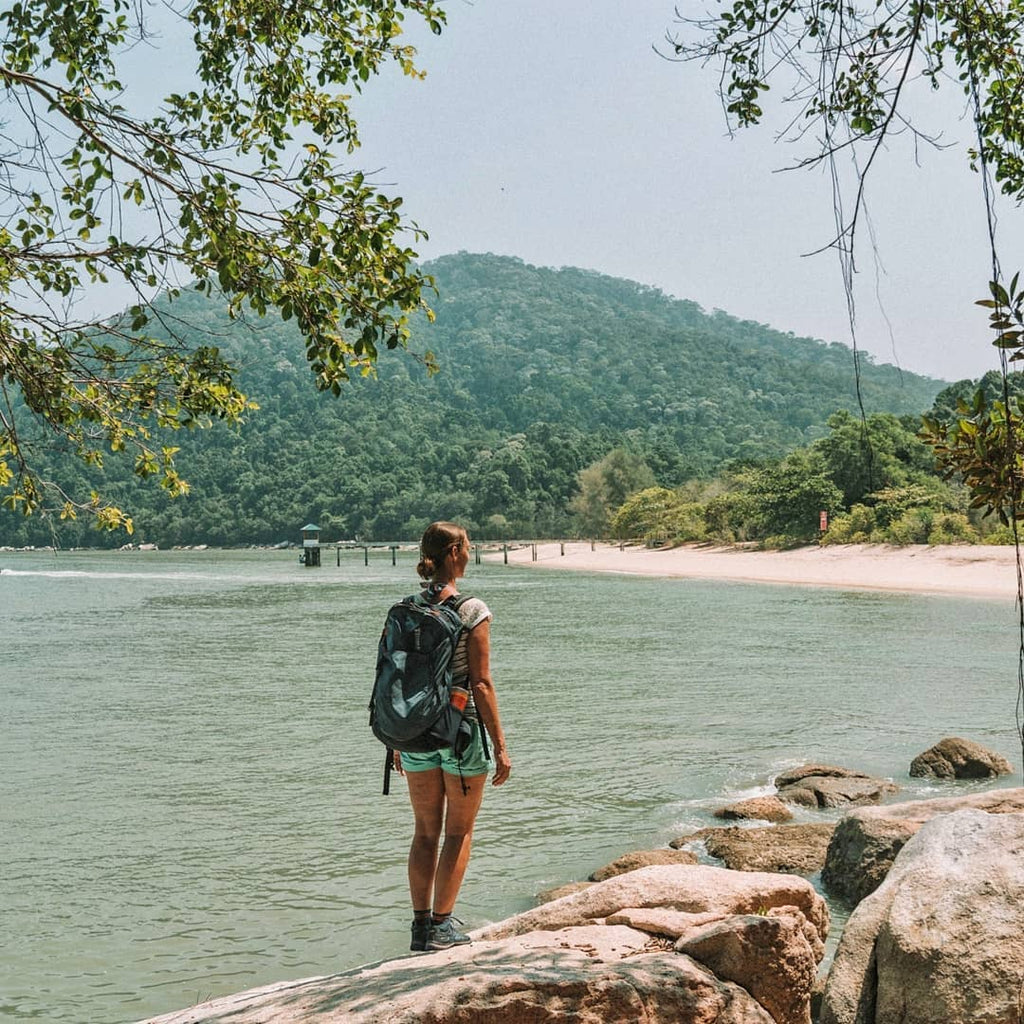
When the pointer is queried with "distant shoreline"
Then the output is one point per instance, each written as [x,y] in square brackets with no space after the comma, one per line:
[965,570]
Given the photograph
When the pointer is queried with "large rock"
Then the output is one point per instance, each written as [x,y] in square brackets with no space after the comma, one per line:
[861,852]
[955,758]
[769,956]
[604,954]
[792,849]
[670,924]
[695,889]
[587,975]
[825,785]
[867,840]
[941,941]
[642,859]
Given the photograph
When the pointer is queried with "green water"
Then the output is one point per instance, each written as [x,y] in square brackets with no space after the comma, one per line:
[190,798]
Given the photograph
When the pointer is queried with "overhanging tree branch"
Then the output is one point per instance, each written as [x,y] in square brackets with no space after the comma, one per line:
[213,203]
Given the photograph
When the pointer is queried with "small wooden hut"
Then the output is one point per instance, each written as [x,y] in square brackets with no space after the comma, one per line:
[311,545]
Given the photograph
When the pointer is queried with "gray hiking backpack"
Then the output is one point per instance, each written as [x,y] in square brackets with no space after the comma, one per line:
[410,706]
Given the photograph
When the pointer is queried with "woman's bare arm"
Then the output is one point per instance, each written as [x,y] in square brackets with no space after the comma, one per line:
[479,654]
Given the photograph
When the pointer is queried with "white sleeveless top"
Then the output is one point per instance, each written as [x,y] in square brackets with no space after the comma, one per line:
[472,612]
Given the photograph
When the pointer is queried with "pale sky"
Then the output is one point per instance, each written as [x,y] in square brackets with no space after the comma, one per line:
[551,130]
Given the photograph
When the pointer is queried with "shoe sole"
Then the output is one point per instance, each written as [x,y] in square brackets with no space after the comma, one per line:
[437,947]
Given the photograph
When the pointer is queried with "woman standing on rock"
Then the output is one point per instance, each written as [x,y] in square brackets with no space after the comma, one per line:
[446,790]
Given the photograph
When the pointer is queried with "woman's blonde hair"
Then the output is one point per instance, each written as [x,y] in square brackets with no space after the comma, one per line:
[437,540]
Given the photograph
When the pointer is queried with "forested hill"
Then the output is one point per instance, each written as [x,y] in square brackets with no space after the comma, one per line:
[576,347]
[543,372]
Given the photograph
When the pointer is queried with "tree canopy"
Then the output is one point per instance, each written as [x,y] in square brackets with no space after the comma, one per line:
[234,186]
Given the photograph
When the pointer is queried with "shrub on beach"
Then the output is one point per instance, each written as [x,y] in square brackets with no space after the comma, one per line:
[952,528]
[912,527]
[853,527]
[999,534]
[659,514]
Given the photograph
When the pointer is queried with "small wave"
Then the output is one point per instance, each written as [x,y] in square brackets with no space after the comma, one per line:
[57,574]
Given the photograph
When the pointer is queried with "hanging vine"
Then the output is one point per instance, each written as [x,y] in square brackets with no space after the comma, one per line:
[847,70]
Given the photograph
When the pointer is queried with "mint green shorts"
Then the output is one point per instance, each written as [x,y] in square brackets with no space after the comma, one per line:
[473,760]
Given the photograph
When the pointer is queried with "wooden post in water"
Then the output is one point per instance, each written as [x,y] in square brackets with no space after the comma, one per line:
[337,550]
[505,546]
[394,554]
[476,549]
[534,546]
[563,548]
[366,554]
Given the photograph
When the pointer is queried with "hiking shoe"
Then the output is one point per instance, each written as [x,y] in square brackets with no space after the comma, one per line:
[445,935]
[420,934]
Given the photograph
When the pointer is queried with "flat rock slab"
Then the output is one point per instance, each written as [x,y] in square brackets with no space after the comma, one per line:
[570,960]
[994,801]
[671,924]
[791,849]
[827,791]
[589,976]
[822,771]
[693,888]
[759,808]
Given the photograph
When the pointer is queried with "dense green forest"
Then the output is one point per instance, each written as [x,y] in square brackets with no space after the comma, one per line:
[544,374]
[874,480]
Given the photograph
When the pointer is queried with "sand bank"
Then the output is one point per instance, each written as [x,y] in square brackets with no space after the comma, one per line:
[968,570]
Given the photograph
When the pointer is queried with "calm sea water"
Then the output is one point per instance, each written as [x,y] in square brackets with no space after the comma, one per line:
[190,798]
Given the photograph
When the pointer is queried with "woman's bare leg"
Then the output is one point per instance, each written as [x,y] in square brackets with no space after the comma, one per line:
[427,795]
[459,819]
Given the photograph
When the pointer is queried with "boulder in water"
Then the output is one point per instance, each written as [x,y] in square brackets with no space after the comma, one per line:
[824,785]
[955,758]
[759,808]
[791,849]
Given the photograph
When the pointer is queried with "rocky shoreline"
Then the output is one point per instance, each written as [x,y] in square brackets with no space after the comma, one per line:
[936,933]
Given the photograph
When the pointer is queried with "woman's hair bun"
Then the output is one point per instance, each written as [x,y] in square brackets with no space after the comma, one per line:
[437,539]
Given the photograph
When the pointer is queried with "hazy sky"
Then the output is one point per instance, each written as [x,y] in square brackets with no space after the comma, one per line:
[551,130]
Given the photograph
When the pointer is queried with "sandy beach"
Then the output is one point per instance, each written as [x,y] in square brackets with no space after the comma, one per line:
[967,570]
